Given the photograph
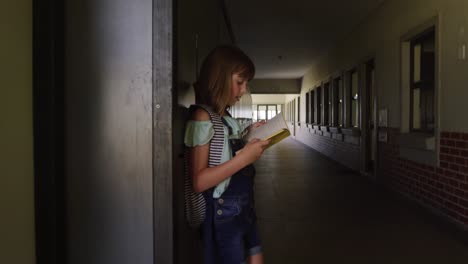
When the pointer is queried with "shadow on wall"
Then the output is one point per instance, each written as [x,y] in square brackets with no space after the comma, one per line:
[187,240]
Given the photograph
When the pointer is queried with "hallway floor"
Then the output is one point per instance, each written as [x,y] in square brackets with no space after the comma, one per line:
[313,210]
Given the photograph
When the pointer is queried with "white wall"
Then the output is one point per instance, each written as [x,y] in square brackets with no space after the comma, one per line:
[380,36]
[16,133]
[271,98]
[275,86]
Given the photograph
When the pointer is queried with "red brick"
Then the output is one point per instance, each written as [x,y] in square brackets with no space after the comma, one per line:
[465,219]
[452,214]
[449,174]
[455,152]
[464,153]
[465,136]
[453,183]
[460,210]
[463,203]
[460,193]
[454,167]
[445,134]
[448,189]
[444,150]
[444,194]
[464,170]
[449,158]
[444,165]
[460,177]
[430,168]
[455,135]
[460,161]
[461,144]
[443,180]
[450,143]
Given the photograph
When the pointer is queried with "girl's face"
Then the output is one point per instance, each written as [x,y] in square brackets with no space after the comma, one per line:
[238,88]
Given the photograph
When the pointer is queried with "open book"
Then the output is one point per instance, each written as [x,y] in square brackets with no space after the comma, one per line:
[274,129]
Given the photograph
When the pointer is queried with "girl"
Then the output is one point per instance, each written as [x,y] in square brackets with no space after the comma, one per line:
[229,231]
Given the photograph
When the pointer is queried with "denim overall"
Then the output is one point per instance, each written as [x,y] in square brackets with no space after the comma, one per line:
[229,231]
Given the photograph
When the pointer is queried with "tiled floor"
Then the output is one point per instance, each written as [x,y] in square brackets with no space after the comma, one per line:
[313,210]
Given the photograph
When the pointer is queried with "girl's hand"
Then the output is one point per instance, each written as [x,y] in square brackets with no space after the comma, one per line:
[256,124]
[253,150]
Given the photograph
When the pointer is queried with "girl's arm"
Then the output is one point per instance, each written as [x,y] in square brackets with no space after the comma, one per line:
[204,177]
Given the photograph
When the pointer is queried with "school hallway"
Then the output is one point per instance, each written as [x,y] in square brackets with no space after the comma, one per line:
[313,210]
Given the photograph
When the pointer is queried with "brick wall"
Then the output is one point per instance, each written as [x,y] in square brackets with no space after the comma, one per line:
[443,188]
[342,148]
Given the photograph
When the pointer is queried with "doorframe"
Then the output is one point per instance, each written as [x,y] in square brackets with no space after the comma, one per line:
[163,104]
[366,106]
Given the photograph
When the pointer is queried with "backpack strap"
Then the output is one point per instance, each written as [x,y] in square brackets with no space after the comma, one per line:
[195,206]
[217,142]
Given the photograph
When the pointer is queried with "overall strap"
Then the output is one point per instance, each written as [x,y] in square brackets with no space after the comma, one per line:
[217,142]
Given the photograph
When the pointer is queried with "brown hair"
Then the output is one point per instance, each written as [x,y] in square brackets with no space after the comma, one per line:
[213,87]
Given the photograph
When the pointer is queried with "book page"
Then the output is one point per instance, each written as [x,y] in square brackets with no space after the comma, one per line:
[271,127]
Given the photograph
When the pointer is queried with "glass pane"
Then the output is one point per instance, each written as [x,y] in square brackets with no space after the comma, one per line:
[262,112]
[417,62]
[319,106]
[271,111]
[326,94]
[330,110]
[340,114]
[354,85]
[355,100]
[340,102]
[354,116]
[371,95]
[416,109]
[312,107]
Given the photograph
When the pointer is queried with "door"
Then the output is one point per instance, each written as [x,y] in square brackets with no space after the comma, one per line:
[371,109]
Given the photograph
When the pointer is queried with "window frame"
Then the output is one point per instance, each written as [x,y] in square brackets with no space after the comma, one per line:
[318,105]
[421,84]
[337,112]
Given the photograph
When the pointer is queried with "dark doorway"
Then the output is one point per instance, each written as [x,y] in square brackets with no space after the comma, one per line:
[48,122]
[370,112]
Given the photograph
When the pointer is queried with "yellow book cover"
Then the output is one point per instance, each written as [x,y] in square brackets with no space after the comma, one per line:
[274,129]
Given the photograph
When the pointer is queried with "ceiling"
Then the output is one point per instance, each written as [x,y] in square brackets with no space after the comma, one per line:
[283,38]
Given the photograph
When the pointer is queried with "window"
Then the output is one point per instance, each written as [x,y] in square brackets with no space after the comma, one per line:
[338,102]
[330,104]
[354,89]
[326,101]
[307,120]
[312,107]
[318,106]
[299,109]
[261,112]
[267,111]
[422,69]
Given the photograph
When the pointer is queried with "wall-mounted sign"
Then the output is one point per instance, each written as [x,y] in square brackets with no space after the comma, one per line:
[383,136]
[383,115]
